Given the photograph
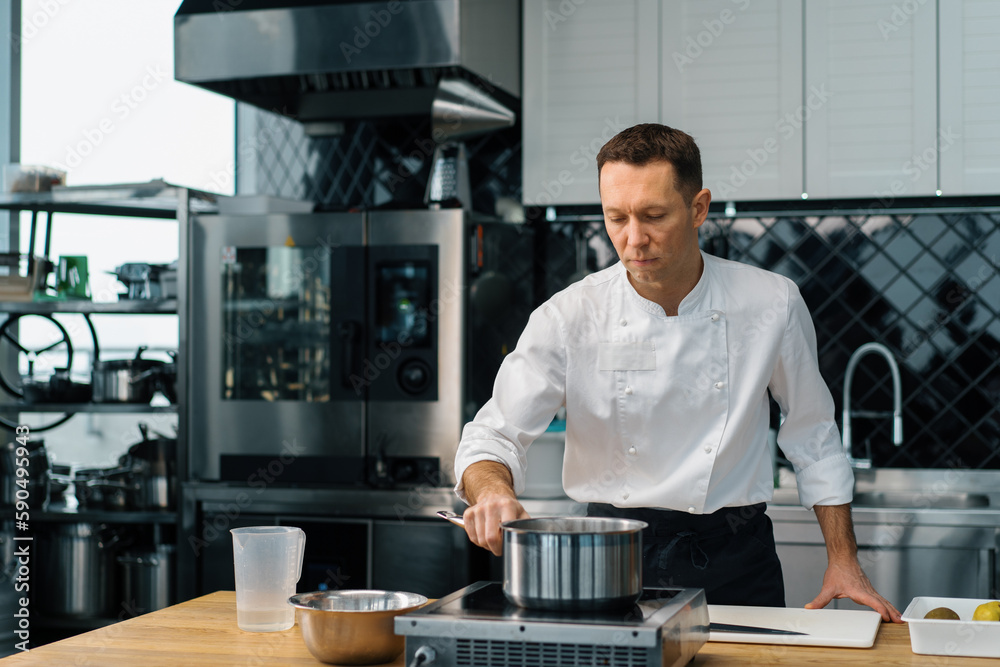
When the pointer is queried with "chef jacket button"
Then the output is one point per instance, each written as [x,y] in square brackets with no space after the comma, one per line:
[691,510]
[715,317]
[625,496]
[708,450]
[720,385]
[628,391]
[631,450]
[623,321]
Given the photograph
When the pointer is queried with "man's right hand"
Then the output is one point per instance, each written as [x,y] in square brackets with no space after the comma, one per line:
[482,520]
[490,488]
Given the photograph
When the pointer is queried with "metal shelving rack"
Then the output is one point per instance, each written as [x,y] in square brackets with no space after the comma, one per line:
[107,408]
[86,307]
[152,200]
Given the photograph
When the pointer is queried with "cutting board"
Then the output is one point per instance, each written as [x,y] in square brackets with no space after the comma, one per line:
[823,627]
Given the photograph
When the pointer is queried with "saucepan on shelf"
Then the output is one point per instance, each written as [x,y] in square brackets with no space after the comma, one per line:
[144,480]
[127,380]
[570,563]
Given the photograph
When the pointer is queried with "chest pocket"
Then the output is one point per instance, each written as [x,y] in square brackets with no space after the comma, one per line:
[629,356]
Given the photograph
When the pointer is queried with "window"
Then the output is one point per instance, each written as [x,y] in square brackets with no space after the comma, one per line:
[98,99]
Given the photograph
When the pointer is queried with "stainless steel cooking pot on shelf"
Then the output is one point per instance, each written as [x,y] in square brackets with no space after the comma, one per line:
[148,578]
[571,563]
[75,574]
[153,462]
[144,480]
[126,380]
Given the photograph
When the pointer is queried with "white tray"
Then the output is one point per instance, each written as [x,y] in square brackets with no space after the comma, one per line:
[940,637]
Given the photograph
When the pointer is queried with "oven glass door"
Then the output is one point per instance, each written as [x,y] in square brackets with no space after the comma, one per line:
[277,319]
[275,324]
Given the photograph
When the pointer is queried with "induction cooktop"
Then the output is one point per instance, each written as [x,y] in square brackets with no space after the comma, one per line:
[478,626]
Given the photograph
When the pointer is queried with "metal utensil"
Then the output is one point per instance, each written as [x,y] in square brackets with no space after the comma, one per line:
[752,629]
[451,516]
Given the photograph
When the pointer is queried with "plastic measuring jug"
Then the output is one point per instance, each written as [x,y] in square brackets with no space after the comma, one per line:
[268,561]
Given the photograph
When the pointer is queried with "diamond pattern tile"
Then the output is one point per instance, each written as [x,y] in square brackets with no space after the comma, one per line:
[903,247]
[927,286]
[378,164]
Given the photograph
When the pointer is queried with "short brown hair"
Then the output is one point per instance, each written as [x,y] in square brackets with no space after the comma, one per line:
[651,142]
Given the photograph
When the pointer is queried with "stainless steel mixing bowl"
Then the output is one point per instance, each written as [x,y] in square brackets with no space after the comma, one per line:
[353,627]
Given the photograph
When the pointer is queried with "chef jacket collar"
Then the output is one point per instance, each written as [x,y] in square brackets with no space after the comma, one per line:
[689,304]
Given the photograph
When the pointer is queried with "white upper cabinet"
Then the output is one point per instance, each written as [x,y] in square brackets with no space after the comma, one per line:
[731,76]
[969,141]
[875,133]
[590,70]
[871,99]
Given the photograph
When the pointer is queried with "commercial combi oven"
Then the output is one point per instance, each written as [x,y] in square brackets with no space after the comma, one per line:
[331,347]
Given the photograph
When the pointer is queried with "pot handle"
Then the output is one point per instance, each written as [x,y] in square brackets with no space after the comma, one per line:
[451,516]
[138,354]
[145,375]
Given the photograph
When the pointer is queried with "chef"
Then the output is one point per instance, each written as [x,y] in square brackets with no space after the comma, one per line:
[664,362]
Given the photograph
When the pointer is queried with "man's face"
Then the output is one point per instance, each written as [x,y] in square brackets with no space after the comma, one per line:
[653,229]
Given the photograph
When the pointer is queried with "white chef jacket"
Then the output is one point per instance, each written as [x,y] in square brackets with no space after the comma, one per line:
[668,412]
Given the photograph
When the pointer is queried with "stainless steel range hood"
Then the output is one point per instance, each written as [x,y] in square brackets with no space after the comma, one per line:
[335,60]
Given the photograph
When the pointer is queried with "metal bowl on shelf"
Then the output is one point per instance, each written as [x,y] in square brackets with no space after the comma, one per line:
[353,627]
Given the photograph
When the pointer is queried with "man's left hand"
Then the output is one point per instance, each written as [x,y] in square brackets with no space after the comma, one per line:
[846,579]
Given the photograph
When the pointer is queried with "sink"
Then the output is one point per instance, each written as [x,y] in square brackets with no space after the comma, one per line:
[920,500]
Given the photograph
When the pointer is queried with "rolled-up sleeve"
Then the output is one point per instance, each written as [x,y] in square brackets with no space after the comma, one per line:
[529,388]
[808,435]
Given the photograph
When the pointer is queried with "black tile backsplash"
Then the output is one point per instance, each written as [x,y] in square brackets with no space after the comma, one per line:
[924,284]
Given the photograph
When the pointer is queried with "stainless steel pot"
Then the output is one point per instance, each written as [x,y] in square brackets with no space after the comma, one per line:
[148,578]
[153,462]
[145,479]
[126,380]
[75,570]
[104,488]
[572,563]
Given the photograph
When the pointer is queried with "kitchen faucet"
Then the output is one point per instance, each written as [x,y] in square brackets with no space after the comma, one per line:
[897,401]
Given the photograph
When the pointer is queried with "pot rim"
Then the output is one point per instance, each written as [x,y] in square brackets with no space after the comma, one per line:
[613,525]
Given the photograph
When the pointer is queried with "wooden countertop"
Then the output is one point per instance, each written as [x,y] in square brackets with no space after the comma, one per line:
[203,632]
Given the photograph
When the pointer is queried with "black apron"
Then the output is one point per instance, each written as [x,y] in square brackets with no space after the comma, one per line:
[729,553]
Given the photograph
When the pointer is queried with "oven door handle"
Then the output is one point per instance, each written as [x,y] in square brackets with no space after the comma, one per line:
[350,336]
